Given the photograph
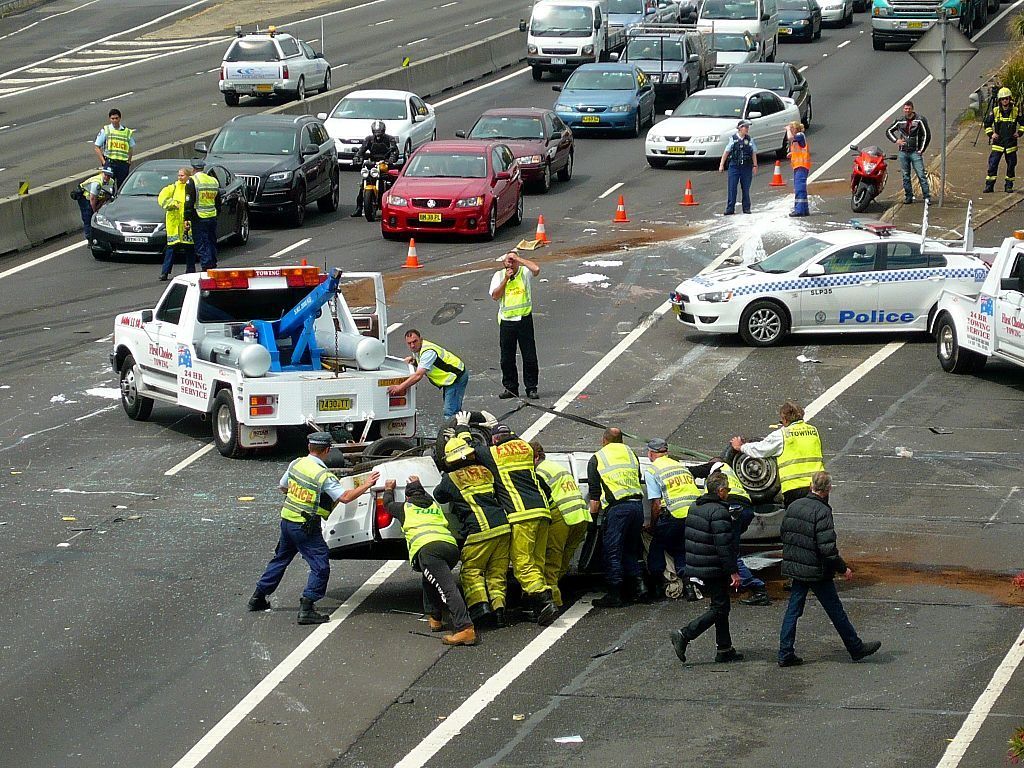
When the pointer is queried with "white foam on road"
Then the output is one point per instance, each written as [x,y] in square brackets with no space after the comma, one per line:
[587,277]
[602,263]
[110,393]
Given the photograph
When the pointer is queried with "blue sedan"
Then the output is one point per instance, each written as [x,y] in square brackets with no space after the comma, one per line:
[615,96]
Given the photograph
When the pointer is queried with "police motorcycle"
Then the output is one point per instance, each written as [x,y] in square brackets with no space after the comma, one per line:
[376,182]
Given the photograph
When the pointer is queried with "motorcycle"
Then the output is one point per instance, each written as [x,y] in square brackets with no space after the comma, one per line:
[868,178]
[375,179]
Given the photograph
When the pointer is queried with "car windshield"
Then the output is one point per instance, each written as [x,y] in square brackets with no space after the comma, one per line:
[709,105]
[793,5]
[792,256]
[252,50]
[145,183]
[370,109]
[598,80]
[434,165]
[773,81]
[654,48]
[562,21]
[729,9]
[625,6]
[238,140]
[494,127]
[732,41]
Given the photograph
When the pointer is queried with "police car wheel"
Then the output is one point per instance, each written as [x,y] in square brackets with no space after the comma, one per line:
[763,324]
[137,407]
[225,426]
[952,357]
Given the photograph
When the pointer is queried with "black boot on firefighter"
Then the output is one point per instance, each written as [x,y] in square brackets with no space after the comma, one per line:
[308,614]
[990,185]
[547,611]
[259,602]
[481,613]
[1008,186]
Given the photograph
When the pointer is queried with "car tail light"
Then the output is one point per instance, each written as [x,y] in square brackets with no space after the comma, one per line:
[397,401]
[284,71]
[262,405]
[382,517]
[223,73]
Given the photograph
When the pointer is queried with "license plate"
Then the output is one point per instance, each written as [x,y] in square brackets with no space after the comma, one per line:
[591,119]
[677,150]
[334,403]
[434,218]
[136,239]
[915,24]
[785,31]
[558,61]
[264,88]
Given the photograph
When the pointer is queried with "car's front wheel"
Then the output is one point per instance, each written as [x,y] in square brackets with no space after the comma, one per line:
[544,185]
[492,222]
[242,226]
[635,130]
[763,324]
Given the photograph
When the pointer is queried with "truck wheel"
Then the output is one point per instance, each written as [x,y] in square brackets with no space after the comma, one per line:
[538,73]
[135,405]
[952,357]
[225,426]
[760,477]
[877,44]
[386,447]
[763,324]
[231,99]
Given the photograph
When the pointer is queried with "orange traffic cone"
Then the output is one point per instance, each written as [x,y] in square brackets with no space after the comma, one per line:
[305,263]
[542,235]
[620,212]
[688,195]
[412,261]
[777,177]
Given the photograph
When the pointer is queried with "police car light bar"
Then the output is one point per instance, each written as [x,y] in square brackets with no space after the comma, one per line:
[873,226]
[297,277]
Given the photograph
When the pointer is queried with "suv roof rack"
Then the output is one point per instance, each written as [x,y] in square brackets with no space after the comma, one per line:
[657,28]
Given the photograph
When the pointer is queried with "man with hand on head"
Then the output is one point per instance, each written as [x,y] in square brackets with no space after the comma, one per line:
[510,287]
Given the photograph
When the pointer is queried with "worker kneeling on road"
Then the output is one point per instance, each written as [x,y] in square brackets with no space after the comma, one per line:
[468,488]
[671,489]
[92,194]
[570,519]
[433,552]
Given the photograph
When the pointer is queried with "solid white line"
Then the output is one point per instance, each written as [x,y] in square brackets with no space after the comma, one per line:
[97,412]
[471,91]
[290,248]
[492,688]
[185,462]
[957,748]
[266,686]
[449,5]
[120,96]
[610,189]
[2,169]
[843,44]
[830,394]
[41,259]
[106,338]
[51,16]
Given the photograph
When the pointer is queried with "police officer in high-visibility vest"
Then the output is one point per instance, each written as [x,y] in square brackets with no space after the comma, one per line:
[468,489]
[511,288]
[92,194]
[1003,126]
[115,145]
[671,490]
[800,160]
[615,484]
[740,156]
[433,552]
[311,492]
[742,510]
[204,191]
[570,518]
[444,369]
[797,448]
[177,202]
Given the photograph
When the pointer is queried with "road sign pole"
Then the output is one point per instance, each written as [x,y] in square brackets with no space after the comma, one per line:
[943,81]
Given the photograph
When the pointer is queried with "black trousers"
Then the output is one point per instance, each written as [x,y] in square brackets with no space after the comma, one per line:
[509,336]
[440,592]
[716,615]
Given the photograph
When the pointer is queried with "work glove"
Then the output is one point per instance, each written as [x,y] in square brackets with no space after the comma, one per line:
[489,421]
[462,418]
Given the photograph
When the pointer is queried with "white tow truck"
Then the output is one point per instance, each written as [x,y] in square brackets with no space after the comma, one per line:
[970,328]
[256,349]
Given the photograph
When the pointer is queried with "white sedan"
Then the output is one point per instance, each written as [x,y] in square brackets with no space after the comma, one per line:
[857,280]
[700,127]
[406,116]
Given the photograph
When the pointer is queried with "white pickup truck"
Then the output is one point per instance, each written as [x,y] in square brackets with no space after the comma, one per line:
[271,64]
[970,328]
[260,348]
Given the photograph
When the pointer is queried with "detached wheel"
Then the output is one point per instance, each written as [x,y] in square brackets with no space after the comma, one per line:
[225,426]
[763,324]
[952,357]
[135,405]
[386,447]
[760,477]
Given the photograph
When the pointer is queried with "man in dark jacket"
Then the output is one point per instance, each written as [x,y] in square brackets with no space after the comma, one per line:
[810,557]
[911,135]
[711,557]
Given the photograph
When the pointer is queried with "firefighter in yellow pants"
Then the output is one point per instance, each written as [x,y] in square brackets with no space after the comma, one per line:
[570,518]
[468,488]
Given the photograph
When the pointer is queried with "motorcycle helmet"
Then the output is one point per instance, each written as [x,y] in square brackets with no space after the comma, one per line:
[1004,93]
[377,128]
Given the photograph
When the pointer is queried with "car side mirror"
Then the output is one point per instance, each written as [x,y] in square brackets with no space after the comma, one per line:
[310,149]
[752,115]
[668,113]
[765,17]
[147,315]
[320,54]
[613,56]
[800,87]
[392,173]
[814,270]
[694,58]
[201,147]
[460,134]
[556,88]
[502,176]
[418,118]
[522,25]
[321,115]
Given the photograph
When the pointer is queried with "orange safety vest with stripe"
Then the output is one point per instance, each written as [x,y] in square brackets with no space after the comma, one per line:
[800,157]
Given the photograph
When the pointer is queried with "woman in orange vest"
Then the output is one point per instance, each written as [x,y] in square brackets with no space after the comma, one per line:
[800,159]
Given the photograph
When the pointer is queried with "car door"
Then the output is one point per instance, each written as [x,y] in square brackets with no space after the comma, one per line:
[796,87]
[760,120]
[910,284]
[644,94]
[317,65]
[1009,315]
[558,149]
[229,194]
[845,296]
[422,121]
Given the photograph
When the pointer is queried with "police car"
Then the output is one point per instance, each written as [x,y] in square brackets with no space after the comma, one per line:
[867,278]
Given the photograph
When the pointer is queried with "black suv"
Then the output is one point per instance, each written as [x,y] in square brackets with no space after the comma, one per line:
[285,162]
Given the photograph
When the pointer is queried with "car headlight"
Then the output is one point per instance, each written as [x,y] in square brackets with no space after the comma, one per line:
[531,49]
[469,202]
[397,200]
[800,23]
[280,176]
[881,10]
[671,77]
[716,296]
[655,139]
[99,220]
[588,50]
[531,160]
[560,107]
[621,108]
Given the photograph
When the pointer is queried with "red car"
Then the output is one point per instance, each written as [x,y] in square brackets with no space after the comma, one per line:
[458,187]
[541,142]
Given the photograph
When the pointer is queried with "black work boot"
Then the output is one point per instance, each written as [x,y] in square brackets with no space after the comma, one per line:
[866,650]
[728,654]
[640,591]
[356,213]
[679,641]
[611,599]
[481,612]
[258,602]
[1008,187]
[757,597]
[308,613]
[656,588]
[990,186]
[547,611]
[501,618]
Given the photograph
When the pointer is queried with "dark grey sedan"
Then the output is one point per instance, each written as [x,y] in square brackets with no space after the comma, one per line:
[780,77]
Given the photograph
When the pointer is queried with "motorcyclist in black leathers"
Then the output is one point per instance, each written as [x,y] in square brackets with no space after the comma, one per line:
[377,146]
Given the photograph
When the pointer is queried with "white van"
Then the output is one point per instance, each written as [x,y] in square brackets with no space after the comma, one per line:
[760,18]
[563,34]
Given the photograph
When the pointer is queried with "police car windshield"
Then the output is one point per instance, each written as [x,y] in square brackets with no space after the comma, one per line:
[507,128]
[147,183]
[708,105]
[370,109]
[252,50]
[792,256]
[236,140]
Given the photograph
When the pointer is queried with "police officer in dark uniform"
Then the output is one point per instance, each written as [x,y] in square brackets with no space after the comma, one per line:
[1003,127]
[378,146]
[741,158]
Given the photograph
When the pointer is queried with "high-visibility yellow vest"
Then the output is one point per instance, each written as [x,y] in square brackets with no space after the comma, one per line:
[106,189]
[800,157]
[566,496]
[423,525]
[118,143]
[172,200]
[206,195]
[447,368]
[518,488]
[306,478]
[517,300]
[680,490]
[620,471]
[476,484]
[735,486]
[801,456]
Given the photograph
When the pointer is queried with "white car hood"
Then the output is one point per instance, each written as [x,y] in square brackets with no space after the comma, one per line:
[722,279]
[734,57]
[350,128]
[693,126]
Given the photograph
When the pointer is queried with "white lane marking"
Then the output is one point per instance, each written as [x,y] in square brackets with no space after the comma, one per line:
[4,127]
[41,259]
[185,462]
[120,96]
[23,80]
[180,42]
[2,169]
[104,409]
[378,23]
[84,68]
[483,21]
[47,18]
[471,91]
[331,13]
[289,248]
[492,688]
[957,748]
[858,373]
[421,40]
[112,55]
[393,327]
[215,69]
[449,5]
[106,338]
[266,686]
[611,189]
[804,68]
[843,44]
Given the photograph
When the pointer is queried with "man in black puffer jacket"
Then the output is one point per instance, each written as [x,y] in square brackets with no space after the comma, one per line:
[711,556]
[810,557]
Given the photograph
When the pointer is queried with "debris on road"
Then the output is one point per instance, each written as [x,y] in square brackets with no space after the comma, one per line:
[577,739]
[904,453]
[806,359]
[608,652]
[940,430]
[518,717]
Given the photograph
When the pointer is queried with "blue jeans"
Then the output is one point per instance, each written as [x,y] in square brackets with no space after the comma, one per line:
[826,593]
[453,395]
[190,258]
[314,551]
[908,161]
[86,209]
[668,535]
[204,233]
[739,175]
[747,579]
[801,206]
[621,544]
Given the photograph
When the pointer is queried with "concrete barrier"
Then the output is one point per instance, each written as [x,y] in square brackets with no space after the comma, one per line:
[49,212]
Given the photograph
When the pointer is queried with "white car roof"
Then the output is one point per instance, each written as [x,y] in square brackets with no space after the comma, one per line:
[730,91]
[379,94]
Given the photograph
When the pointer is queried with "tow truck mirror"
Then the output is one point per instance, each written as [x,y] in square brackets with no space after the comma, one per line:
[147,315]
[814,270]
[201,147]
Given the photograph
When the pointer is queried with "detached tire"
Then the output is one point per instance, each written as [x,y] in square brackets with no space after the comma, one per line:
[760,477]
[763,324]
[952,357]
[225,426]
[137,407]
[386,447]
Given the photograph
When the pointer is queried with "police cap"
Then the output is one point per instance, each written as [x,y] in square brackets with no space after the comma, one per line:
[657,445]
[320,439]
[107,170]
[743,123]
[198,163]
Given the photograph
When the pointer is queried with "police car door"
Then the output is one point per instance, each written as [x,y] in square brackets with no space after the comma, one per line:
[909,286]
[845,295]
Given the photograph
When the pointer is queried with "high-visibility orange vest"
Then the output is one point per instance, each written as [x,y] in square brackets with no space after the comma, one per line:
[800,157]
